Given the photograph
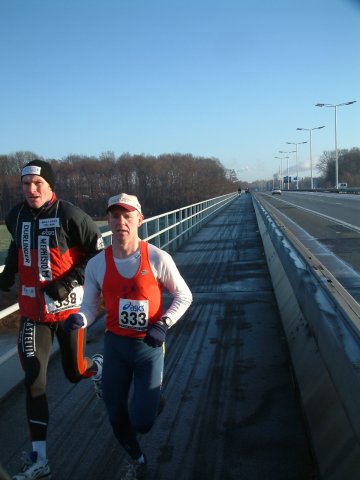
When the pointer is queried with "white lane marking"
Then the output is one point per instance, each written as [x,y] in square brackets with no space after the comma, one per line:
[327,217]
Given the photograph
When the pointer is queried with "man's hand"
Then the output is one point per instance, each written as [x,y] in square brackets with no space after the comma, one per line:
[156,334]
[7,280]
[57,290]
[74,322]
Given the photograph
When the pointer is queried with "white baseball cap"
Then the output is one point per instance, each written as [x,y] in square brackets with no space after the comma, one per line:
[129,202]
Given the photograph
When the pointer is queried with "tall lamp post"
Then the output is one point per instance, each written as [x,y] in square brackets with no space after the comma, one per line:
[281,179]
[311,169]
[280,151]
[336,148]
[296,160]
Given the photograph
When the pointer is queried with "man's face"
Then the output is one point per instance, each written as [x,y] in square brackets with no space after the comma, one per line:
[36,190]
[124,224]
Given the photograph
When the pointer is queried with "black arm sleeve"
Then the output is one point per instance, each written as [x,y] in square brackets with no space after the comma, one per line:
[89,239]
[11,262]
[7,276]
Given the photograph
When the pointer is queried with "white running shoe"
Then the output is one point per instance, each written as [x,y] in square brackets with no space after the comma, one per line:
[97,379]
[33,468]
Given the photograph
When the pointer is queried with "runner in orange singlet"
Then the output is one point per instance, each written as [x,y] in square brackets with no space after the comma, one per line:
[131,275]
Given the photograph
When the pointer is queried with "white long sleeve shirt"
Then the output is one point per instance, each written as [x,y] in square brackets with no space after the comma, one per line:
[163,268]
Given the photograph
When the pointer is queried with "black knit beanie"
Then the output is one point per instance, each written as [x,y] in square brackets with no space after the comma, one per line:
[41,168]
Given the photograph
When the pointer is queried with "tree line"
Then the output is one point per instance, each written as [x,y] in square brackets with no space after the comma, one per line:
[348,168]
[162,183]
[348,171]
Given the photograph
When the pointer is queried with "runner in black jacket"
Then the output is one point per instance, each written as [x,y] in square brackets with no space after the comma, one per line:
[52,240]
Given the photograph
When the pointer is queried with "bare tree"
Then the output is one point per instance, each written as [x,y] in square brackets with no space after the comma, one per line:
[162,183]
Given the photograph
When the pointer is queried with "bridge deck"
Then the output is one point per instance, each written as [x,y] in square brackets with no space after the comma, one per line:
[231,411]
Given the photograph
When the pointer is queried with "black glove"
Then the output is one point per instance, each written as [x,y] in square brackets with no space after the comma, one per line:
[156,334]
[73,322]
[7,280]
[57,290]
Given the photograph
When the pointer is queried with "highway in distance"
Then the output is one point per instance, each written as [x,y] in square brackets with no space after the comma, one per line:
[329,225]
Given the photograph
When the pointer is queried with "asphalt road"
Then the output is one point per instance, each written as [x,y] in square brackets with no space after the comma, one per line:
[331,219]
[328,226]
[343,207]
[232,410]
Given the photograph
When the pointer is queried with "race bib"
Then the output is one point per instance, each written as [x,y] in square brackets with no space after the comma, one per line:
[73,300]
[134,314]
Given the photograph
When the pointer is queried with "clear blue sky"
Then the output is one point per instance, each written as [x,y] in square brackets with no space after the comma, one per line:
[230,79]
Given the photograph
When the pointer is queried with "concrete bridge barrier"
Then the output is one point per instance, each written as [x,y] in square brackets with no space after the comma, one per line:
[321,323]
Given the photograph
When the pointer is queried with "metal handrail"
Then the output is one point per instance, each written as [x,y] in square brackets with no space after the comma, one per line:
[167,230]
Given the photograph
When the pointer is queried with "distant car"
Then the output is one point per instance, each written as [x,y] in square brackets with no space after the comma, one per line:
[276,191]
[247,190]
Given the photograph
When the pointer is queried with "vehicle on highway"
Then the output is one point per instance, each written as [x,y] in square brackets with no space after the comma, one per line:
[276,191]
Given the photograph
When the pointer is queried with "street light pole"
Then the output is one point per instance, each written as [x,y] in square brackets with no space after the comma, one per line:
[334,106]
[311,169]
[281,179]
[287,163]
[296,160]
[280,151]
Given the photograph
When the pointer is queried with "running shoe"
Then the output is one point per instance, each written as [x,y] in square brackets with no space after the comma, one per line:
[34,468]
[97,378]
[133,470]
